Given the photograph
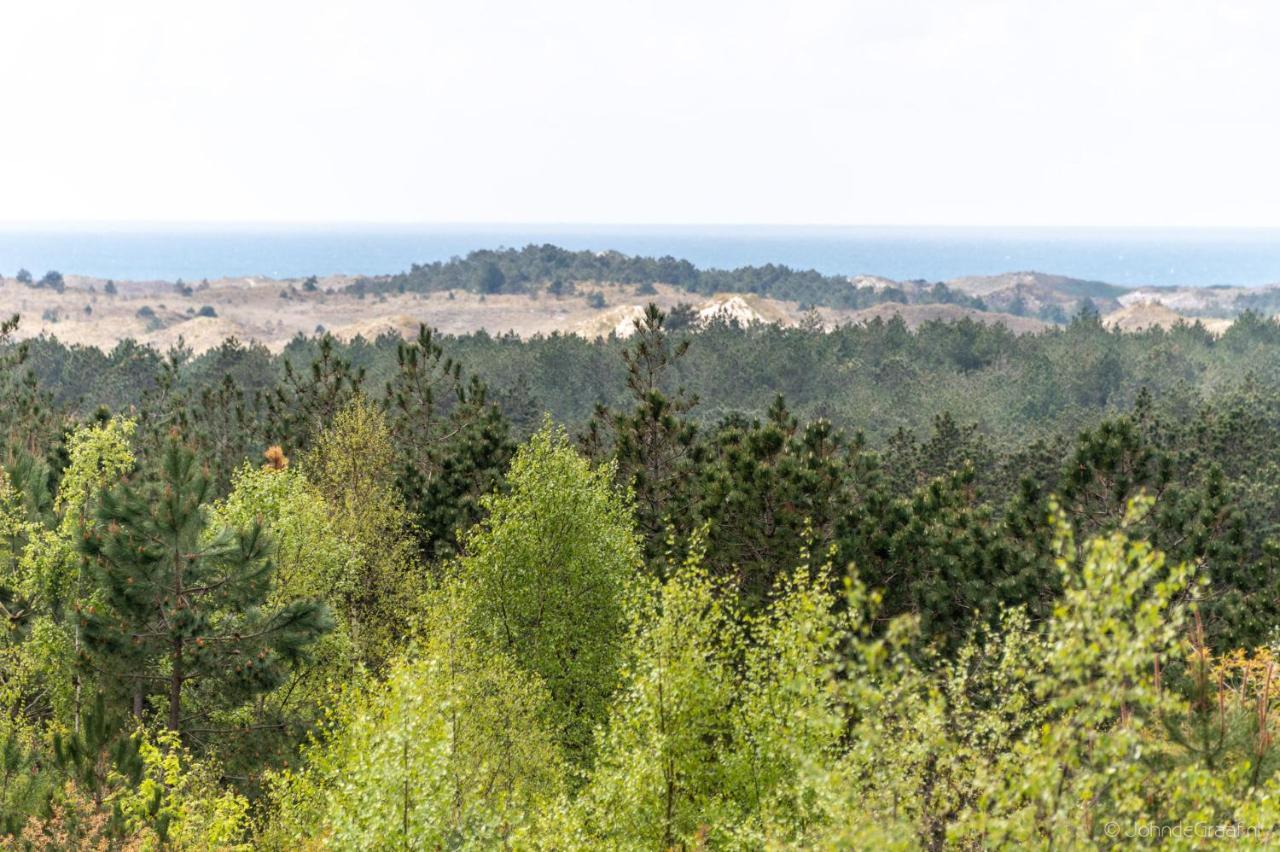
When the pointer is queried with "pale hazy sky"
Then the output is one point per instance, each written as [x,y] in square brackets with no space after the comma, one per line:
[990,112]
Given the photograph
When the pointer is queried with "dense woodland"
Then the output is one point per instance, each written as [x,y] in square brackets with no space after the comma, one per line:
[713,587]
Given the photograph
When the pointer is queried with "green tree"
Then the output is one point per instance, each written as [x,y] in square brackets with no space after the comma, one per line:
[766,488]
[545,576]
[311,560]
[53,280]
[98,756]
[940,554]
[22,784]
[489,278]
[653,443]
[451,443]
[304,403]
[29,421]
[182,602]
[715,734]
[42,578]
[455,748]
[352,467]
[1205,508]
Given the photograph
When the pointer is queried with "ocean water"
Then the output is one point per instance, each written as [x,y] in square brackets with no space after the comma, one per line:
[1125,257]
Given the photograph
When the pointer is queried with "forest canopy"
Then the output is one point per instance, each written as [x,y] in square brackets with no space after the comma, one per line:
[721,587]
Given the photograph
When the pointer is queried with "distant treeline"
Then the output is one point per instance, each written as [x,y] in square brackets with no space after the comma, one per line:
[558,271]
[875,378]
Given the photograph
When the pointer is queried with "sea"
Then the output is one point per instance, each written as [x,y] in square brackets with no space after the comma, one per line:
[1131,257]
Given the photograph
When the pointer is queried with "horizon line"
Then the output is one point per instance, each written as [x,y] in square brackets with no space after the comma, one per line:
[186,224]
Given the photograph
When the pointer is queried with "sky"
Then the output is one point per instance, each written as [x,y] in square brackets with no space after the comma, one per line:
[901,112]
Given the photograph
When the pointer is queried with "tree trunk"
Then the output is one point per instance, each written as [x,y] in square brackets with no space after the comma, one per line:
[175,687]
[175,678]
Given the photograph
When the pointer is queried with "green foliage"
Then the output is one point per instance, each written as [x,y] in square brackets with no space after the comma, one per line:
[455,748]
[305,402]
[311,561]
[653,442]
[377,593]
[98,757]
[718,722]
[767,489]
[545,575]
[182,606]
[22,784]
[310,558]
[536,267]
[939,554]
[451,442]
[42,579]
[178,803]
[99,455]
[28,423]
[1065,554]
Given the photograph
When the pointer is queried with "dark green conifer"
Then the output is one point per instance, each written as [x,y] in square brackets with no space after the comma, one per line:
[452,444]
[183,612]
[655,442]
[304,402]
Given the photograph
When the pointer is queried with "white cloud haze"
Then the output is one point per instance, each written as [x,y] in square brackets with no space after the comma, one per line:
[1126,112]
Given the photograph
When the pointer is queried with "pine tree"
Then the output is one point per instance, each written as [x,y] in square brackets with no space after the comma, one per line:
[520,407]
[226,430]
[766,488]
[182,610]
[22,784]
[938,554]
[470,463]
[305,402]
[29,422]
[654,443]
[219,418]
[452,444]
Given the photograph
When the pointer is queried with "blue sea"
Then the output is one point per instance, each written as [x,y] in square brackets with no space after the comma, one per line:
[192,252]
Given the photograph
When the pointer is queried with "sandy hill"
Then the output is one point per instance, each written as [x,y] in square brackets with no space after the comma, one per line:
[917,315]
[728,307]
[875,282]
[1192,301]
[984,285]
[1034,292]
[744,310]
[1137,316]
[619,320]
[1140,315]
[198,333]
[399,325]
